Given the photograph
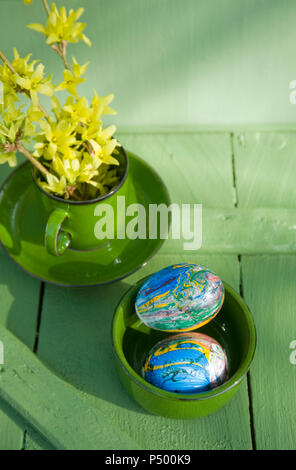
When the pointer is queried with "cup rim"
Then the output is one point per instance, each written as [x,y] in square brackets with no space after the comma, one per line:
[90,201]
[231,383]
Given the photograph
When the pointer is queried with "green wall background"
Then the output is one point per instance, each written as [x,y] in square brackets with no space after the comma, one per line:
[177,62]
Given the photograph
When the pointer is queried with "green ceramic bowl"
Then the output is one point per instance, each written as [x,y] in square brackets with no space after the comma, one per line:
[233,327]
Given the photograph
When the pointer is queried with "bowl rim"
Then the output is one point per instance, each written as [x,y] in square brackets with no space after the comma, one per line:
[231,383]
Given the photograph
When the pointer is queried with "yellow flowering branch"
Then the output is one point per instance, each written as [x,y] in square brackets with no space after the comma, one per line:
[12,69]
[75,156]
[60,48]
[33,160]
[18,145]
[6,61]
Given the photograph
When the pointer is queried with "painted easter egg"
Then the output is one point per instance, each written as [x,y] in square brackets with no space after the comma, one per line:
[181,297]
[186,363]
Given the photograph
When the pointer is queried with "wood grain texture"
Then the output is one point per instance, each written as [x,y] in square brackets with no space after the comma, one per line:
[11,433]
[52,407]
[34,441]
[196,168]
[19,293]
[265,168]
[269,289]
[19,296]
[19,302]
[16,432]
[75,344]
[242,231]
[264,175]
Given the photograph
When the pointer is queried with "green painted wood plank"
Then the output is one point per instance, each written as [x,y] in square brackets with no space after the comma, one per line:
[19,294]
[244,231]
[33,441]
[51,406]
[16,432]
[265,167]
[19,298]
[196,168]
[269,289]
[11,433]
[75,344]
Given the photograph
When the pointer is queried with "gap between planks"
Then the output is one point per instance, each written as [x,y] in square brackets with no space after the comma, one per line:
[249,386]
[39,317]
[36,341]
[241,292]
[235,191]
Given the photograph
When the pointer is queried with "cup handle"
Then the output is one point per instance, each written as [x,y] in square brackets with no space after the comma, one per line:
[57,240]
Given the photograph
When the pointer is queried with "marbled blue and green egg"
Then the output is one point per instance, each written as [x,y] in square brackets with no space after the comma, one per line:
[186,363]
[181,297]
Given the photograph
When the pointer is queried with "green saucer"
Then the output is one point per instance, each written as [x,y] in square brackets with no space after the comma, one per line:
[22,226]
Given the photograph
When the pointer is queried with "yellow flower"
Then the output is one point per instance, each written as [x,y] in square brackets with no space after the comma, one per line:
[56,138]
[103,151]
[76,170]
[88,132]
[61,26]
[36,84]
[8,157]
[21,65]
[88,171]
[54,185]
[69,169]
[100,106]
[56,107]
[107,151]
[34,114]
[95,154]
[77,111]
[71,143]
[79,70]
[11,129]
[27,78]
[13,120]
[71,80]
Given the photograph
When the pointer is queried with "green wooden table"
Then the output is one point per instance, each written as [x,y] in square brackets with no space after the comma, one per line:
[58,385]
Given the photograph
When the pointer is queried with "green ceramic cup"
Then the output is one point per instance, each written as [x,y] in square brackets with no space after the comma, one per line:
[233,327]
[71,224]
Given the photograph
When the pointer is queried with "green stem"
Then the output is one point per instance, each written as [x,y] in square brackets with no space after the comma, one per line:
[63,56]
[32,159]
[43,110]
[46,7]
[6,61]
